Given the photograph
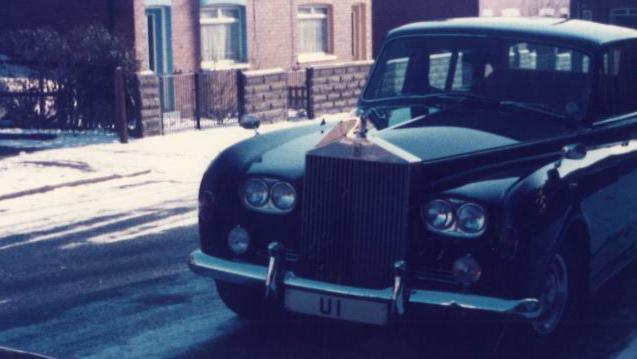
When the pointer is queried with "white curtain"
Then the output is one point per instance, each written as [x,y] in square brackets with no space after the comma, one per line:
[313,35]
[220,42]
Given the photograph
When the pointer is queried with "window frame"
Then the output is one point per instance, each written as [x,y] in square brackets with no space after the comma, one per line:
[314,15]
[221,19]
[596,115]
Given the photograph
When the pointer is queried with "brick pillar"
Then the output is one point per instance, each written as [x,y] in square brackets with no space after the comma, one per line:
[147,98]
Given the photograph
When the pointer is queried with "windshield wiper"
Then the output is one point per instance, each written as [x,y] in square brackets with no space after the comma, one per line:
[544,110]
[460,97]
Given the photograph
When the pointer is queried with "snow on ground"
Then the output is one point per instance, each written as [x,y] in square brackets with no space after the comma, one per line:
[56,193]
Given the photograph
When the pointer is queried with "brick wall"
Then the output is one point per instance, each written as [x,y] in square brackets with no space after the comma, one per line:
[273,31]
[264,94]
[336,88]
[185,36]
[148,111]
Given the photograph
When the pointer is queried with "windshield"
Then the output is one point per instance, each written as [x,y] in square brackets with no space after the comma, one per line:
[537,76]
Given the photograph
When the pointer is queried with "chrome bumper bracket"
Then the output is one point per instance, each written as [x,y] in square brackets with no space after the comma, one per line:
[275,252]
[398,292]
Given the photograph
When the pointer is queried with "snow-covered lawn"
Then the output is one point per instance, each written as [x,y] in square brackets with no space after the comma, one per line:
[55,193]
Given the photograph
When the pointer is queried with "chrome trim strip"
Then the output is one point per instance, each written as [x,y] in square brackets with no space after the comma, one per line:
[528,308]
[226,270]
[244,273]
[379,295]
[390,147]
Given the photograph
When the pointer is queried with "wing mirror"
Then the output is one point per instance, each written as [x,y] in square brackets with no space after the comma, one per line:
[575,151]
[250,122]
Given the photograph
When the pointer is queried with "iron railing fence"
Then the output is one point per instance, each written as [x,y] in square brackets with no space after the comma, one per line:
[35,96]
[198,100]
[297,91]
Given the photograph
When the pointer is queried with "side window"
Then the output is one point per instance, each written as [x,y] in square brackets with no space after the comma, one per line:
[523,56]
[617,87]
[440,62]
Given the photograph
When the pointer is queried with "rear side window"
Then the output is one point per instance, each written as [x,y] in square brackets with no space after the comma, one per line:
[617,87]
[525,56]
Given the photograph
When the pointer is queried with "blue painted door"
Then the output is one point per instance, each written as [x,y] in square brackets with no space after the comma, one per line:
[160,53]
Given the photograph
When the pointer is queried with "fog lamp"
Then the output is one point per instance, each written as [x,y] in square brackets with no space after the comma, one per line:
[466,270]
[238,240]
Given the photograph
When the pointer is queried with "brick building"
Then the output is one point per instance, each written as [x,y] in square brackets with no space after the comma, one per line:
[185,35]
[618,12]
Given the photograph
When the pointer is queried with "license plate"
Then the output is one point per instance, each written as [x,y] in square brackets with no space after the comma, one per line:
[329,306]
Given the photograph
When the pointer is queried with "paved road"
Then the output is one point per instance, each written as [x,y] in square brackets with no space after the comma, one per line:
[136,298]
[99,271]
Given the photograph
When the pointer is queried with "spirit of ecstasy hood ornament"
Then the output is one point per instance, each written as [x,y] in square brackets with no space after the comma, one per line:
[356,128]
[363,117]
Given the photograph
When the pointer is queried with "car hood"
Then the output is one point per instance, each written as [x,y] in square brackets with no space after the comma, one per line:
[438,142]
[439,136]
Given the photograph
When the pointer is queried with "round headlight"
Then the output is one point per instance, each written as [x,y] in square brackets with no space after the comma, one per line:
[438,214]
[283,196]
[471,218]
[255,193]
[238,240]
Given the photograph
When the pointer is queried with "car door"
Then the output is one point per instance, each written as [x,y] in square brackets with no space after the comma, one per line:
[618,119]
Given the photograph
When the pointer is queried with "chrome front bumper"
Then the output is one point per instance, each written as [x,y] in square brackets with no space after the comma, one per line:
[397,296]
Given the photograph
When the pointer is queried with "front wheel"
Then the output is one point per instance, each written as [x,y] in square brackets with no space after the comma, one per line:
[554,297]
[563,294]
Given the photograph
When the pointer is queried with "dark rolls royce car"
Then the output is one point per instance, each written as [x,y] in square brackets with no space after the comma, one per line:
[491,168]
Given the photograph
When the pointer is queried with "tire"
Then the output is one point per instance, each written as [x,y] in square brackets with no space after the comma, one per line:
[546,332]
[247,302]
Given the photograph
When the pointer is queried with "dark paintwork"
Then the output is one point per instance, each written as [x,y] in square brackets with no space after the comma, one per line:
[508,168]
[584,34]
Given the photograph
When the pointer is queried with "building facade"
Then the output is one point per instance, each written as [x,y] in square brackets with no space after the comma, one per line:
[512,8]
[188,35]
[180,36]
[618,12]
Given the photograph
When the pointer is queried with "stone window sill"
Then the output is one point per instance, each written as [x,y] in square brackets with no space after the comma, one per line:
[316,57]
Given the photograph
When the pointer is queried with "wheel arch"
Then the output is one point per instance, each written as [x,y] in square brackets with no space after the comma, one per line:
[576,234]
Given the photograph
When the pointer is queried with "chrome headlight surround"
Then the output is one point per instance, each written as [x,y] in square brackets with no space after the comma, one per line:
[467,219]
[255,193]
[281,196]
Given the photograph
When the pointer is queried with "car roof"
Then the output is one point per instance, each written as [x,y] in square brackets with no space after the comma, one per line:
[586,34]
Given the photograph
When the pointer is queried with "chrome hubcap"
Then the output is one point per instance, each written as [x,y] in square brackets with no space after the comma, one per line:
[554,297]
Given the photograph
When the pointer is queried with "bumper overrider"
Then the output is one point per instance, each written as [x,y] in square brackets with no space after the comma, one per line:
[276,280]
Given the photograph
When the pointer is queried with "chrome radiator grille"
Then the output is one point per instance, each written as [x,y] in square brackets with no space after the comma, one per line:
[355,220]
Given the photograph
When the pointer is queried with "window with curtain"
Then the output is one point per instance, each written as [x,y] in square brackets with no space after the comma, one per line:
[313,29]
[222,34]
